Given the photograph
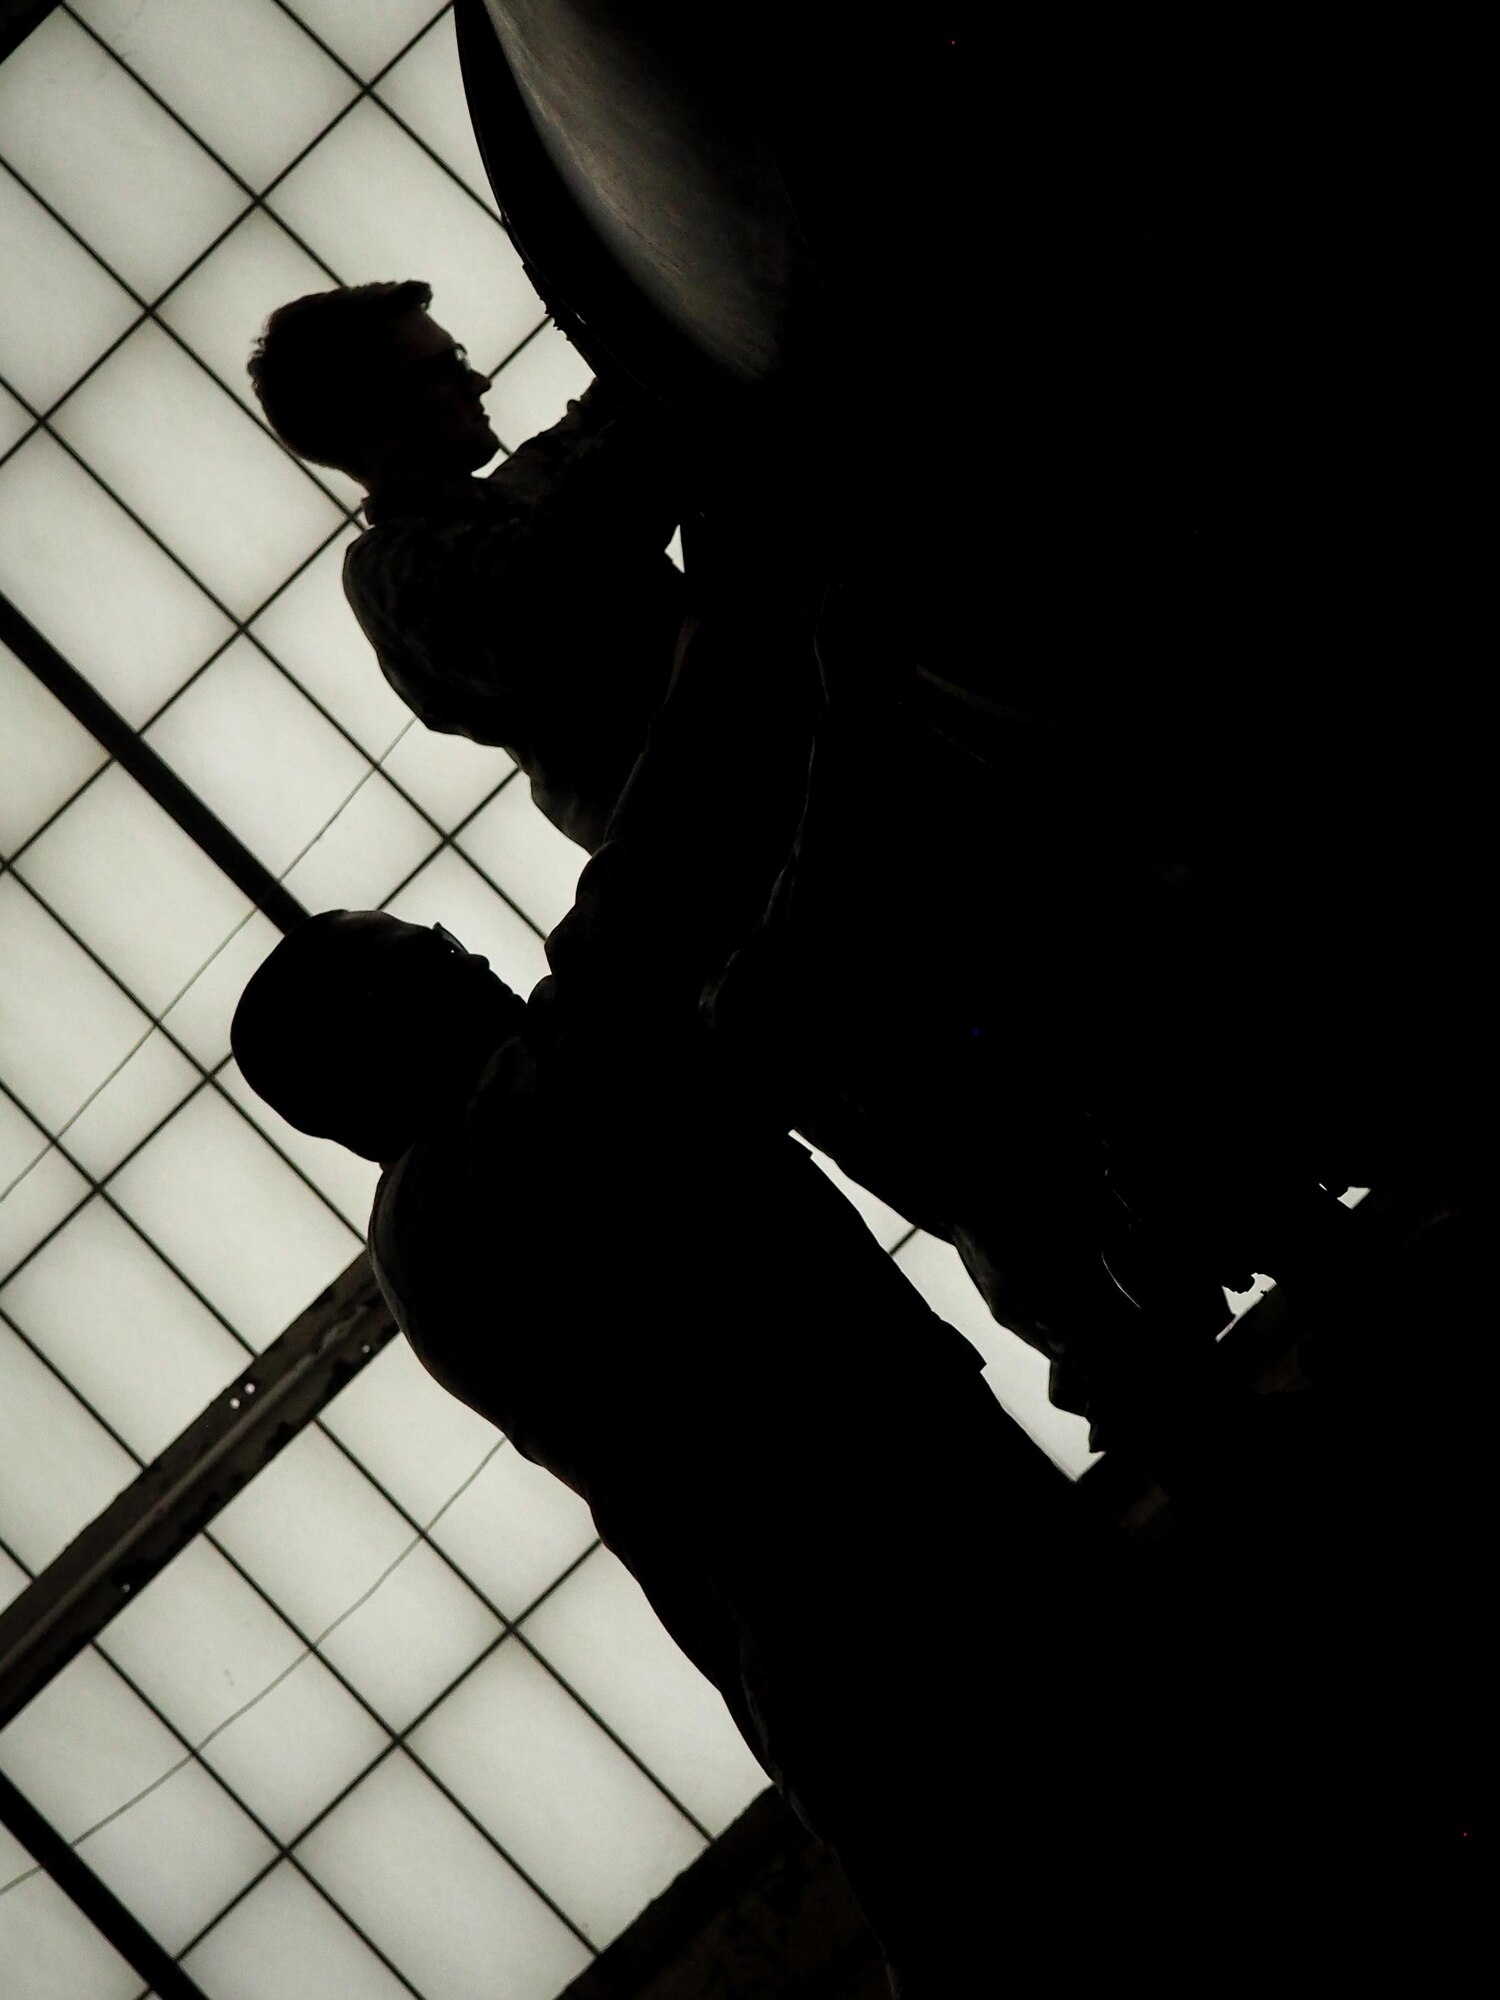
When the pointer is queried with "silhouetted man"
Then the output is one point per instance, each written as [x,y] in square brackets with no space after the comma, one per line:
[593,1239]
[534,608]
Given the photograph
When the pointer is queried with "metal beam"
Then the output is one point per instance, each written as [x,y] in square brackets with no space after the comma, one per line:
[175,1498]
[100,1905]
[110,729]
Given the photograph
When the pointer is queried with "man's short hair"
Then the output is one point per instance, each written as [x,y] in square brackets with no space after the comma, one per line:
[322,361]
[303,1042]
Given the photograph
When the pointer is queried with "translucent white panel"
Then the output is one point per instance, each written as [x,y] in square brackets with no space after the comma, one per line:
[515,1531]
[375,206]
[417,1440]
[247,80]
[48,1947]
[45,1187]
[65,1023]
[435,1896]
[82,571]
[519,848]
[312,632]
[375,843]
[86,136]
[532,392]
[13,1580]
[413,1639]
[604,1639]
[178,1857]
[346,1179]
[565,1801]
[198,1642]
[85,1745]
[258,754]
[298,1749]
[135,887]
[886,1226]
[234,1219]
[200,1019]
[1017,1373]
[221,306]
[449,892]
[44,754]
[224,497]
[312,1531]
[15,420]
[73,308]
[367,36]
[58,1467]
[148,1089]
[109,1314]
[448,776]
[284,1942]
[427,91]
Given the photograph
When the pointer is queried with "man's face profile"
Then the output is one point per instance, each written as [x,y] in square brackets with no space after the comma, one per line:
[437,396]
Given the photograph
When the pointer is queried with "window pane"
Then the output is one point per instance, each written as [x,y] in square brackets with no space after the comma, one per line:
[198,1641]
[200,1018]
[74,309]
[220,308]
[312,1531]
[258,754]
[106,1311]
[368,36]
[532,392]
[85,1745]
[137,189]
[449,892]
[134,887]
[417,1440]
[435,1896]
[44,754]
[448,776]
[58,1467]
[346,1179]
[188,460]
[374,844]
[234,1219]
[886,1226]
[45,1187]
[426,90]
[111,602]
[375,206]
[48,1947]
[600,1633]
[284,1942]
[413,1639]
[65,1023]
[248,81]
[566,1802]
[151,1085]
[296,1750]
[519,848]
[515,1531]
[1017,1373]
[313,633]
